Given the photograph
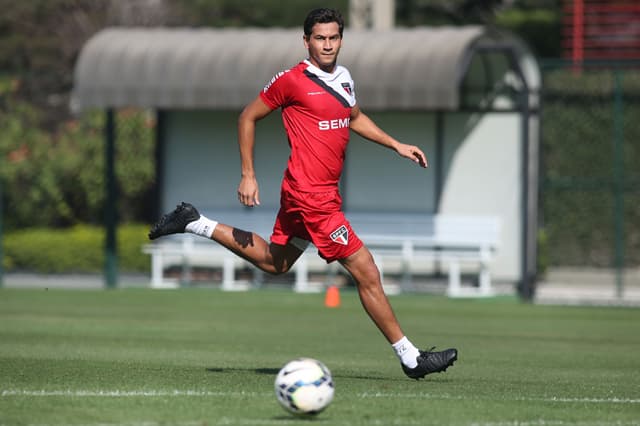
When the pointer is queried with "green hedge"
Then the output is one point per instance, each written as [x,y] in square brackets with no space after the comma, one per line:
[77,249]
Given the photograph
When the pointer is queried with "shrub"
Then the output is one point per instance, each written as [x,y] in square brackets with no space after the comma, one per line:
[76,249]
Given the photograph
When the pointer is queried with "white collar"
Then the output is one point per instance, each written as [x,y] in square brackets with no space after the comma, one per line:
[317,71]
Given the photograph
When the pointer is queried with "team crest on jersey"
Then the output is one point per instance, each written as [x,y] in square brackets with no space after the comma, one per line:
[341,235]
[347,88]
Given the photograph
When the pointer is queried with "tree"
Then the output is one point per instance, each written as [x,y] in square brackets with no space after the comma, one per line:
[537,22]
[40,41]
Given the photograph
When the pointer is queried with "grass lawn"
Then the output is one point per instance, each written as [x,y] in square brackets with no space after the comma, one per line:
[205,357]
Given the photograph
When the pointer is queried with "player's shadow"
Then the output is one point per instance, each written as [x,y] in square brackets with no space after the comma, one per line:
[274,371]
[298,419]
[289,418]
[268,371]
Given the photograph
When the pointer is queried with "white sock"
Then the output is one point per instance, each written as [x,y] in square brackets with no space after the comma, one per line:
[406,352]
[203,227]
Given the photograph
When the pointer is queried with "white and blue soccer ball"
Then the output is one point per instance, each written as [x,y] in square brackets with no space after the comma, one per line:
[304,386]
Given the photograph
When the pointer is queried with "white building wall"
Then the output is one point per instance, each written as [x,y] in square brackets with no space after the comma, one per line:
[481,170]
[378,179]
[203,162]
[483,176]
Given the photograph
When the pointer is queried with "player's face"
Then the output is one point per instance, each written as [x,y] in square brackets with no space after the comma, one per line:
[324,44]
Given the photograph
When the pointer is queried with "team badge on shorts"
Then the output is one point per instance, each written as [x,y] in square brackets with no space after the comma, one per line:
[341,235]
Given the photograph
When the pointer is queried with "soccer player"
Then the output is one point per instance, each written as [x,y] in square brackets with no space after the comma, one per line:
[319,109]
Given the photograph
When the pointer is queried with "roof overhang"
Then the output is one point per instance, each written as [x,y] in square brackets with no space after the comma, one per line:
[418,68]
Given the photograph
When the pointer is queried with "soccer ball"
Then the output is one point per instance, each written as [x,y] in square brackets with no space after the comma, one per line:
[304,386]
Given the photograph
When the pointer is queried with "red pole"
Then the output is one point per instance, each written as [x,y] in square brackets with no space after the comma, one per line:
[578,34]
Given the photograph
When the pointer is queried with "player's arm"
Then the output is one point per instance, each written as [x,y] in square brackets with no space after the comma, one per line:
[365,127]
[248,193]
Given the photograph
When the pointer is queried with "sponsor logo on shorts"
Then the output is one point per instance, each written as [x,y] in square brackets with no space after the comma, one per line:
[340,235]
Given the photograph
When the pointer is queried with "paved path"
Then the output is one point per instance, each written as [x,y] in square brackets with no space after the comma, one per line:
[564,286]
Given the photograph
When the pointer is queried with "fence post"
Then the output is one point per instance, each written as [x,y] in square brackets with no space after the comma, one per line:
[1,238]
[111,258]
[618,179]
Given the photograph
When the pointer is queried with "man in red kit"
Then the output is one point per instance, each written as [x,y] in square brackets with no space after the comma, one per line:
[319,109]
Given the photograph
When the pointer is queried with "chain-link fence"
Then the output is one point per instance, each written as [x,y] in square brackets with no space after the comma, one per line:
[590,170]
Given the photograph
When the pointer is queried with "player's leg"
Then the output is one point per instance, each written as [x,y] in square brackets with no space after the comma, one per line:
[415,363]
[271,258]
[367,277]
[334,238]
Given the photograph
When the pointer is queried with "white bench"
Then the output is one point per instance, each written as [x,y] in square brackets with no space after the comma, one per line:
[400,243]
[189,251]
[410,243]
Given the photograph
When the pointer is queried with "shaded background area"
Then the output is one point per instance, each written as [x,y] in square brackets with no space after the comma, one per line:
[51,162]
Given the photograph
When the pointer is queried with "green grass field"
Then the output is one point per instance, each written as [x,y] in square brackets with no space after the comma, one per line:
[205,357]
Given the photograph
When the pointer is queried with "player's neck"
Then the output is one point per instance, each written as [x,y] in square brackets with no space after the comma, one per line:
[329,68]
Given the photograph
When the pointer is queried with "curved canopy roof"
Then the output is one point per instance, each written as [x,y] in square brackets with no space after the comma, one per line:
[418,68]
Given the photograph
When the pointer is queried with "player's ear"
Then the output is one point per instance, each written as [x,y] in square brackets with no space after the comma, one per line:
[305,40]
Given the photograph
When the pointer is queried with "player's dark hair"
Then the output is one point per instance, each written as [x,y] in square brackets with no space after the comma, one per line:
[322,16]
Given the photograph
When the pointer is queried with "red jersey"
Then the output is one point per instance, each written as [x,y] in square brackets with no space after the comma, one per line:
[316,109]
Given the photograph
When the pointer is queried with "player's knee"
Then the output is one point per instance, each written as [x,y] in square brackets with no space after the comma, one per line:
[371,276]
[367,275]
[279,268]
[362,267]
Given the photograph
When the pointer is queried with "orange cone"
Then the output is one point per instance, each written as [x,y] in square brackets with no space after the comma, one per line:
[332,298]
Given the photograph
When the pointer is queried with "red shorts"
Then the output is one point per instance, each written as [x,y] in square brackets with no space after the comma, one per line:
[315,217]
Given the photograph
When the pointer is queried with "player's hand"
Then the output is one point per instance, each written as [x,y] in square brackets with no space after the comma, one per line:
[248,192]
[413,153]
